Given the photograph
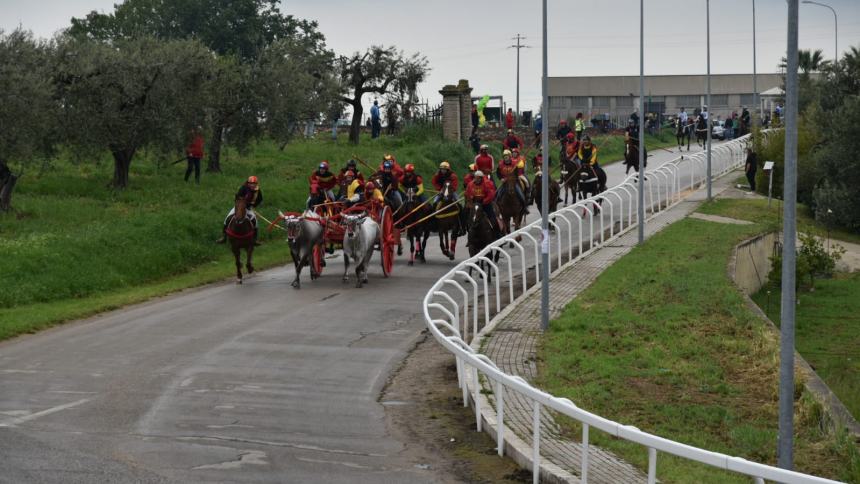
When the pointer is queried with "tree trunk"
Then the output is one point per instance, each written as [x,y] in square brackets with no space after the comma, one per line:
[121,164]
[355,127]
[6,192]
[214,163]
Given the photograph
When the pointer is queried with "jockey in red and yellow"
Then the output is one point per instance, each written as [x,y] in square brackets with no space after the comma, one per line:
[351,165]
[482,191]
[443,176]
[395,167]
[484,160]
[507,168]
[588,157]
[253,196]
[414,181]
[322,183]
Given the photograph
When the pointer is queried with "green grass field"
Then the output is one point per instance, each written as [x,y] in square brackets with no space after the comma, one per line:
[664,341]
[827,332]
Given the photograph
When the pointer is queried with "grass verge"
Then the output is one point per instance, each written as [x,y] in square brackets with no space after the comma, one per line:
[664,341]
[827,332]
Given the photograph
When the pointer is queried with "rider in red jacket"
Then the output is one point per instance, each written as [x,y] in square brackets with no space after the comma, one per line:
[322,182]
[443,176]
[512,141]
[484,161]
[484,192]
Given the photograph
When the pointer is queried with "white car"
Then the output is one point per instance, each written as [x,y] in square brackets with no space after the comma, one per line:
[718,130]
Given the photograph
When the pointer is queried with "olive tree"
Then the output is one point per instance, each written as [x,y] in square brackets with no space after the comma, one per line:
[130,94]
[378,70]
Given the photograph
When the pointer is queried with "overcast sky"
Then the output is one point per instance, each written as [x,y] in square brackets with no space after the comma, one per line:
[469,39]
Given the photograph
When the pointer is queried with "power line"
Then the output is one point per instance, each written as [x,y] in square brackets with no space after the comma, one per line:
[519,46]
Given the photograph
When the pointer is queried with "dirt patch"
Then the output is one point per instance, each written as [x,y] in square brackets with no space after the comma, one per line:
[424,410]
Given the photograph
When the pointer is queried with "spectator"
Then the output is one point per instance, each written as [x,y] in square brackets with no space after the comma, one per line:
[194,153]
[683,116]
[751,167]
[635,118]
[475,119]
[375,126]
[727,127]
[509,119]
[744,121]
[579,126]
[391,115]
[475,141]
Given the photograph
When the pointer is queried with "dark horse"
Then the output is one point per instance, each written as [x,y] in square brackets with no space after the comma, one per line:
[240,233]
[511,208]
[682,131]
[554,192]
[449,221]
[631,157]
[568,168]
[480,232]
[416,216]
[701,131]
[591,180]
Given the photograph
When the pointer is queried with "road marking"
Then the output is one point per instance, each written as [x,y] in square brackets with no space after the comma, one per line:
[250,457]
[19,420]
[352,465]
[186,382]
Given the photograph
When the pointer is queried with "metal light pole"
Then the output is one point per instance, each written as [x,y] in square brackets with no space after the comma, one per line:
[641,178]
[757,115]
[708,120]
[544,193]
[835,28]
[519,46]
[789,236]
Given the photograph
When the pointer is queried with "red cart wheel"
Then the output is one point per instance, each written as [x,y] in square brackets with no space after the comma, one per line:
[388,239]
[317,259]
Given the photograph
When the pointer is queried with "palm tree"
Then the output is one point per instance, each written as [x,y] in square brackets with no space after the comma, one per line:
[808,61]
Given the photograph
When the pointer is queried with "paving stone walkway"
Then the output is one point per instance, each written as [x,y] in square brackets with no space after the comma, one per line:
[512,345]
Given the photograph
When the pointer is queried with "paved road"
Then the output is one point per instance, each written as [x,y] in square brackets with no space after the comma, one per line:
[258,383]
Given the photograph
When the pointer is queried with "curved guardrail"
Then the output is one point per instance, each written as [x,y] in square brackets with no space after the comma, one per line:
[511,256]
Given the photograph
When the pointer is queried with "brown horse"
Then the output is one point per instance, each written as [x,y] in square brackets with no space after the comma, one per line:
[554,191]
[240,233]
[631,157]
[568,167]
[449,222]
[480,232]
[511,208]
[416,216]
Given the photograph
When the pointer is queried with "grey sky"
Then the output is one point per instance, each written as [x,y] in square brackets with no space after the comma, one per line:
[468,39]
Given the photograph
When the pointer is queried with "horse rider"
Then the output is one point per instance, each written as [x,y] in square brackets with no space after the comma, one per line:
[588,156]
[517,156]
[579,126]
[253,196]
[352,165]
[508,168]
[563,130]
[414,181]
[512,141]
[482,191]
[484,160]
[389,181]
[395,167]
[470,175]
[360,192]
[322,182]
[344,182]
[444,175]
[570,148]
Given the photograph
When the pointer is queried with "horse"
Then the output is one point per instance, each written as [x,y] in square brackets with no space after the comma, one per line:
[480,232]
[554,192]
[361,233]
[240,233]
[511,208]
[590,183]
[449,221]
[568,167]
[701,131]
[416,217]
[631,157]
[682,131]
[303,234]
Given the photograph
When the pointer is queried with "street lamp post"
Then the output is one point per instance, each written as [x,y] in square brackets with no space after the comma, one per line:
[640,182]
[708,120]
[835,28]
[757,115]
[544,256]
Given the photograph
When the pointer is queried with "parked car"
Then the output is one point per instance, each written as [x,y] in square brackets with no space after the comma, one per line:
[718,130]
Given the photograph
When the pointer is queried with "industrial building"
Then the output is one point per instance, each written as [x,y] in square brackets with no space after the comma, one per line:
[614,98]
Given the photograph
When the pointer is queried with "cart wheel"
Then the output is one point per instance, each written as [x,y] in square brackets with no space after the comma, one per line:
[388,239]
[317,259]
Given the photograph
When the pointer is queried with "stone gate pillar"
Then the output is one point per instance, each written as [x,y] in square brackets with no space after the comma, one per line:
[456,111]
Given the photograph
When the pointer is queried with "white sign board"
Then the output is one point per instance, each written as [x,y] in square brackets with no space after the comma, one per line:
[768,165]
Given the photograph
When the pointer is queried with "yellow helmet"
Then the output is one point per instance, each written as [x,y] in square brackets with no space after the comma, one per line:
[445,165]
[472,167]
[388,157]
[506,153]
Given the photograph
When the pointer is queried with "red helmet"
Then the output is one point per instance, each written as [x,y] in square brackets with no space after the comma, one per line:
[570,136]
[252,179]
[323,165]
[349,174]
[370,186]
[410,168]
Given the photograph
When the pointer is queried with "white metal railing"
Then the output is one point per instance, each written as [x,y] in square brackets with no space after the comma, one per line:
[665,187]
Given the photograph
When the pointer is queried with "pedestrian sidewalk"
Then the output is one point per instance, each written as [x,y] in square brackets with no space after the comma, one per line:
[512,344]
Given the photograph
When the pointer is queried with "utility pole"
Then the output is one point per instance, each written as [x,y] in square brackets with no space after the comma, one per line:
[757,115]
[544,194]
[708,121]
[640,182]
[785,451]
[519,46]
